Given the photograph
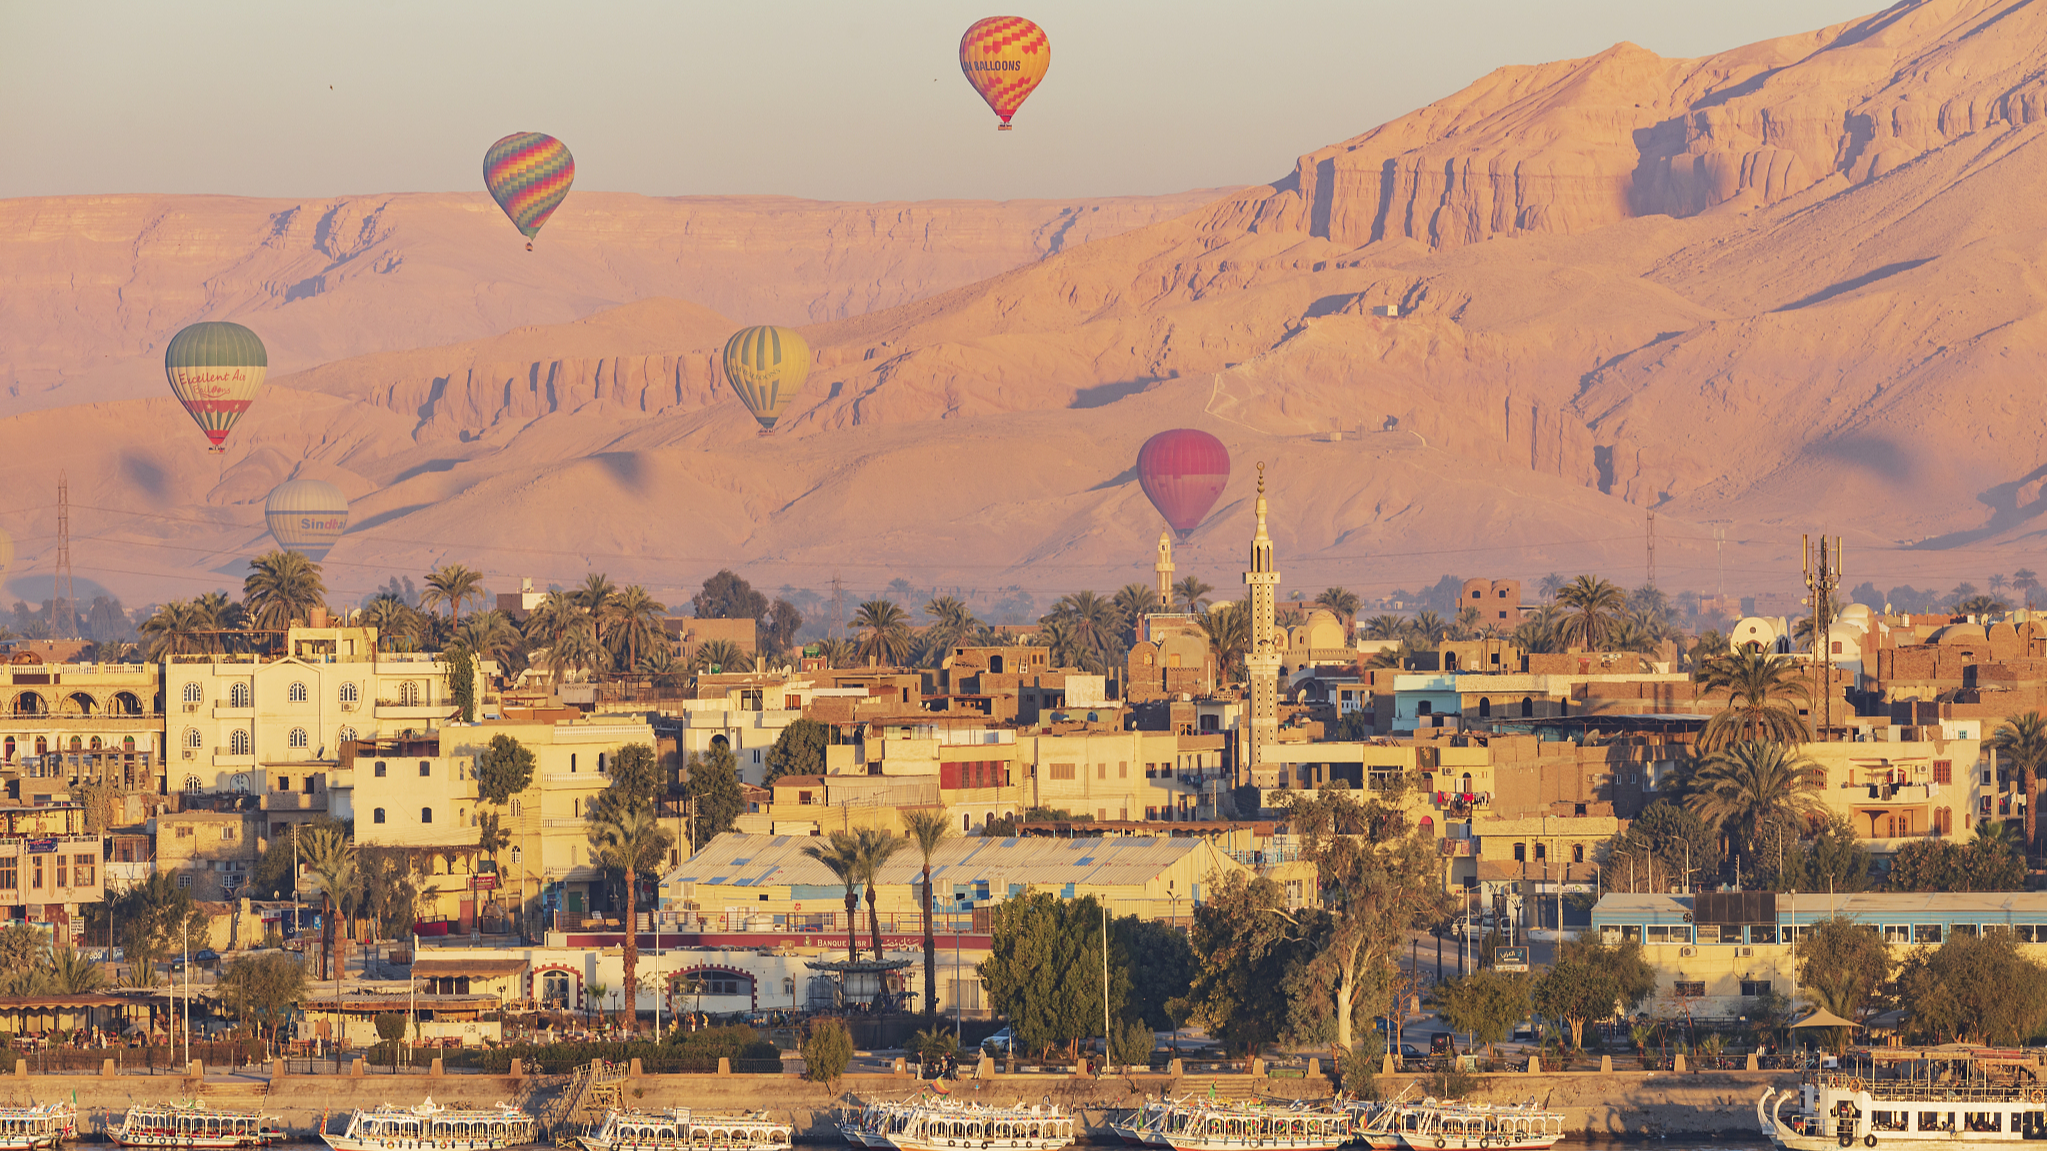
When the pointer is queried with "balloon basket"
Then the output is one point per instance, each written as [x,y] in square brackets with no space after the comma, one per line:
[217,450]
[529,245]
[1003,128]
[764,433]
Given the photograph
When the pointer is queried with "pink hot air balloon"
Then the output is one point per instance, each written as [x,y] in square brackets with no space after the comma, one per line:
[1183,472]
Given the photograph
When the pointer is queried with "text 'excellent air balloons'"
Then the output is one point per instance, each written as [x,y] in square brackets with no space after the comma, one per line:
[215,369]
[1004,58]
[307,516]
[1183,471]
[766,367]
[528,174]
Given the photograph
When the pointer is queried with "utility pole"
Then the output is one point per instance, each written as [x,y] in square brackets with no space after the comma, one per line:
[838,625]
[65,609]
[1822,580]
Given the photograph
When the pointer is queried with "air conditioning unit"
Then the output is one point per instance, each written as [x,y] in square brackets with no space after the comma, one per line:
[348,707]
[191,707]
[1744,952]
[190,754]
[1687,952]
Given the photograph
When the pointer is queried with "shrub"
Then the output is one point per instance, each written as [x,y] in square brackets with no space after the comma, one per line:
[1360,1075]
[827,1051]
[1133,1043]
[390,1025]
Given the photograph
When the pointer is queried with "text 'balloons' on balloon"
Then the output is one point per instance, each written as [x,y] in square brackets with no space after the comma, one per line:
[528,174]
[215,369]
[307,516]
[1183,471]
[766,367]
[1005,58]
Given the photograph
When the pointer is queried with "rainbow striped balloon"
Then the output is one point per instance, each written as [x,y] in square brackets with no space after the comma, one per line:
[215,369]
[528,174]
[1004,58]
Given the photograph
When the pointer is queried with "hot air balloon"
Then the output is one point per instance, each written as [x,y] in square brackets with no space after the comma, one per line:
[1183,472]
[215,369]
[307,516]
[766,367]
[1004,58]
[528,174]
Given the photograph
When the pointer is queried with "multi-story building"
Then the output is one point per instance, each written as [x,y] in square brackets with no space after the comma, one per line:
[64,724]
[208,853]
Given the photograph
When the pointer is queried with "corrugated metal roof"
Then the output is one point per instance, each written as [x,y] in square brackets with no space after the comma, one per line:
[779,860]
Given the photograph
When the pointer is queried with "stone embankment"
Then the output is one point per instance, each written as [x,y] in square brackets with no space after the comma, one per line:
[1609,1104]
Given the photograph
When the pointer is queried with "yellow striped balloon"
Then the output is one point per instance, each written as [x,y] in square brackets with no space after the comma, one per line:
[766,367]
[1004,58]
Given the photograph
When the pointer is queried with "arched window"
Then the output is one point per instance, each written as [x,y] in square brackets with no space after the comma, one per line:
[1485,709]
[297,693]
[1527,706]
[127,743]
[297,738]
[238,695]
[348,693]
[192,738]
[515,856]
[345,735]
[1577,853]
[28,703]
[192,693]
[42,746]
[77,744]
[238,783]
[95,745]
[426,815]
[408,694]
[238,742]
[7,748]
[377,816]
[191,783]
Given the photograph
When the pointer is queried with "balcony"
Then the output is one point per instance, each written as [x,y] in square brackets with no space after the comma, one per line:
[401,709]
[225,757]
[225,711]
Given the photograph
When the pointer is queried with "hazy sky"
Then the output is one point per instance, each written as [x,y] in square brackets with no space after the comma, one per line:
[827,100]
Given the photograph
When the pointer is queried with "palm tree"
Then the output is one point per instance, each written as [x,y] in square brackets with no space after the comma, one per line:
[720,655]
[1133,602]
[874,848]
[553,619]
[490,634]
[636,625]
[626,839]
[1982,605]
[179,628]
[1385,627]
[1091,623]
[1998,583]
[281,587]
[398,625]
[68,972]
[451,585]
[1551,584]
[1192,594]
[1428,630]
[928,827]
[1345,603]
[1761,690]
[887,639]
[840,853]
[951,621]
[1228,628]
[1538,629]
[1749,785]
[2024,581]
[838,652]
[2023,740]
[330,859]
[1593,607]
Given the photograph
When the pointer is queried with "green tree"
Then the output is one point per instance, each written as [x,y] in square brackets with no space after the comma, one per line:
[262,989]
[504,768]
[1590,980]
[22,947]
[1975,989]
[1843,966]
[635,779]
[151,919]
[1247,948]
[461,681]
[451,586]
[67,971]
[1592,610]
[282,586]
[1657,848]
[1345,603]
[876,848]
[272,876]
[827,1051]
[840,854]
[927,827]
[951,622]
[1044,970]
[628,839]
[1484,1004]
[331,862]
[727,595]
[713,793]
[799,750]
[885,640]
[1747,787]
[719,656]
[2022,742]
[1191,594]
[634,626]
[1162,967]
[1763,694]
[1227,627]
[1832,858]
[1988,862]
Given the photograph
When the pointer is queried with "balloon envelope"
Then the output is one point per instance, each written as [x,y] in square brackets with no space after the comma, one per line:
[528,174]
[1183,471]
[766,366]
[1004,58]
[307,516]
[215,369]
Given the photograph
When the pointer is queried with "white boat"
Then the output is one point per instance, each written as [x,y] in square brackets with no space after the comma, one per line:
[680,1129]
[40,1125]
[1434,1125]
[942,1123]
[192,1124]
[1377,1125]
[1909,1099]
[1256,1127]
[391,1128]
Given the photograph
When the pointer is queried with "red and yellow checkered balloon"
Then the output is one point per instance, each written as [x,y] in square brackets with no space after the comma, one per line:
[1004,58]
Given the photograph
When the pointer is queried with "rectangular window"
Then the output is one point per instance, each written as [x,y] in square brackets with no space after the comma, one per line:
[1062,771]
[10,875]
[1963,929]
[1753,988]
[1689,989]
[63,873]
[380,769]
[1943,771]
[184,832]
[1101,771]
[83,868]
[1926,933]
[35,873]
[227,834]
[426,769]
[1122,771]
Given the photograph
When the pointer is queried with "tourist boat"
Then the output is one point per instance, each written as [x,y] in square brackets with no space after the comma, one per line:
[941,1123]
[1909,1099]
[391,1128]
[192,1124]
[680,1129]
[1237,1127]
[1434,1125]
[1377,1125]
[40,1125]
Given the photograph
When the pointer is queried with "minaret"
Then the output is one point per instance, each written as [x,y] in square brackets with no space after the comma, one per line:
[1164,568]
[1261,665]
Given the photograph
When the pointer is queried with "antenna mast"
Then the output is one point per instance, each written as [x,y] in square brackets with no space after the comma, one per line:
[64,621]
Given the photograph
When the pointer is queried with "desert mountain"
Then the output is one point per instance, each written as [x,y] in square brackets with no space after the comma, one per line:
[1790,287]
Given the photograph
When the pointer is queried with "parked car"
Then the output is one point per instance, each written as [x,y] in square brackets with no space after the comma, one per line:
[1002,1043]
[1442,1043]
[1412,1056]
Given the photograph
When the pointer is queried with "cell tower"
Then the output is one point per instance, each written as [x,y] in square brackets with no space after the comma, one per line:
[65,610]
[1652,549]
[838,608]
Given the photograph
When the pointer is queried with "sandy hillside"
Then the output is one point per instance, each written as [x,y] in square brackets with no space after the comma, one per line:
[1789,287]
